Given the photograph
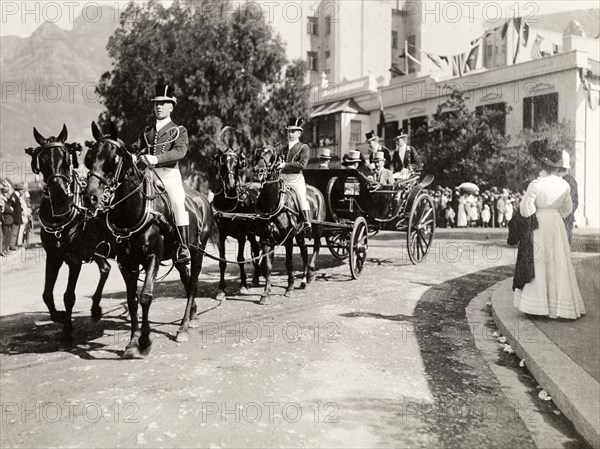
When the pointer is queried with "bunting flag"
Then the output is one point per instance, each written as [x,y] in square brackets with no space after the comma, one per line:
[468,61]
[536,52]
[522,28]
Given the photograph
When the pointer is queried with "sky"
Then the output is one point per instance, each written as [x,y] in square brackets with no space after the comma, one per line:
[21,18]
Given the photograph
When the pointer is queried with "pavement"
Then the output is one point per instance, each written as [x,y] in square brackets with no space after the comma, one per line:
[562,355]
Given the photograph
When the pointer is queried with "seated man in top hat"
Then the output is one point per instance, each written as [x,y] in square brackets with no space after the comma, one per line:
[324,158]
[373,142]
[405,156]
[381,174]
[296,155]
[163,145]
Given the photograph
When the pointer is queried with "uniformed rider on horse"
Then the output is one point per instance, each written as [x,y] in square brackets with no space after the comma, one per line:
[162,145]
[295,158]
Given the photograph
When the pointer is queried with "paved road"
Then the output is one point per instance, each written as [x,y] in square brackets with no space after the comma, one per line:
[389,360]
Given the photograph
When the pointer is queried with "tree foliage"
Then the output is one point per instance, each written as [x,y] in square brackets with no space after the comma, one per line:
[521,164]
[227,66]
[463,145]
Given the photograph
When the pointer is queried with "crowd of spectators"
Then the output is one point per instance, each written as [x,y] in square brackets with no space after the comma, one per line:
[15,216]
[491,208]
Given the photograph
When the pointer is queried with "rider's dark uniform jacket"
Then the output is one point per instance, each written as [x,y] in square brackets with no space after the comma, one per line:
[411,157]
[170,144]
[296,158]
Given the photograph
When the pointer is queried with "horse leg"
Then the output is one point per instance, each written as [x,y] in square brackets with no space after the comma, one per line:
[69,299]
[289,266]
[146,295]
[316,249]
[104,268]
[255,248]
[304,254]
[53,264]
[130,276]
[240,258]
[222,266]
[266,265]
[189,317]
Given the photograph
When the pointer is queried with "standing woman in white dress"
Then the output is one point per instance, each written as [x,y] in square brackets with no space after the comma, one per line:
[554,291]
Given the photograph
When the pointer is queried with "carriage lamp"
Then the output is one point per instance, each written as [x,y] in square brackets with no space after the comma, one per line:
[351,187]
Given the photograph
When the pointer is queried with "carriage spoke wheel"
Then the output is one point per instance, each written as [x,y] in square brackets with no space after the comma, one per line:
[338,244]
[421,226]
[359,244]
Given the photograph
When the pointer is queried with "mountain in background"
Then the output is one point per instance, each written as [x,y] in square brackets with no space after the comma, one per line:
[589,19]
[49,79]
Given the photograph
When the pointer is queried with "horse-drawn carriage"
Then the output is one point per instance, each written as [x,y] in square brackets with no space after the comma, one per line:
[358,208]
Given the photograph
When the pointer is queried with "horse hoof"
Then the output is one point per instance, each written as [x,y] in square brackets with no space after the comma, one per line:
[256,282]
[194,323]
[131,352]
[96,314]
[145,346]
[303,285]
[58,317]
[221,296]
[264,300]
[289,293]
[311,278]
[243,291]
[182,337]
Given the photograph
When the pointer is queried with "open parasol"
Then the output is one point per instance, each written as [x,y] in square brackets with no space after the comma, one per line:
[469,187]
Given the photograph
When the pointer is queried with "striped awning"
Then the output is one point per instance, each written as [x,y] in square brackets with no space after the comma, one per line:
[334,107]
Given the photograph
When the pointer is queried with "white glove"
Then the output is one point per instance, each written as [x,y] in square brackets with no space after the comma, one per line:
[134,157]
[281,166]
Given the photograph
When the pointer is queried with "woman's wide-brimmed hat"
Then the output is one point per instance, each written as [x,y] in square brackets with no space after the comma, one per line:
[544,152]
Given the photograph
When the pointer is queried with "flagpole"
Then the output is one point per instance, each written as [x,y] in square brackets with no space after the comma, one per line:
[405,56]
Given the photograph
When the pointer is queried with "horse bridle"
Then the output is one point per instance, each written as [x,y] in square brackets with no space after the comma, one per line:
[238,158]
[69,153]
[269,166]
[113,183]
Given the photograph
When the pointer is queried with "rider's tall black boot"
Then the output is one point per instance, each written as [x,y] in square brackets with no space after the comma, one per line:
[183,252]
[305,226]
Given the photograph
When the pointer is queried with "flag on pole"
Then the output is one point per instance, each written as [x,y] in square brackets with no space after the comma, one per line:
[381,116]
[536,52]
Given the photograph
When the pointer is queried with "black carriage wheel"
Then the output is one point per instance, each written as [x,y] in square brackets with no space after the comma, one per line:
[337,243]
[359,244]
[330,185]
[421,226]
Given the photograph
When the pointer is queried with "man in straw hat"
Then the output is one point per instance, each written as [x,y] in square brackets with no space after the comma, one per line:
[373,141]
[163,145]
[295,156]
[381,174]
[324,158]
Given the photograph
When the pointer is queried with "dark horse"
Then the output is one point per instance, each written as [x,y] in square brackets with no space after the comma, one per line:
[137,217]
[231,199]
[68,236]
[279,209]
